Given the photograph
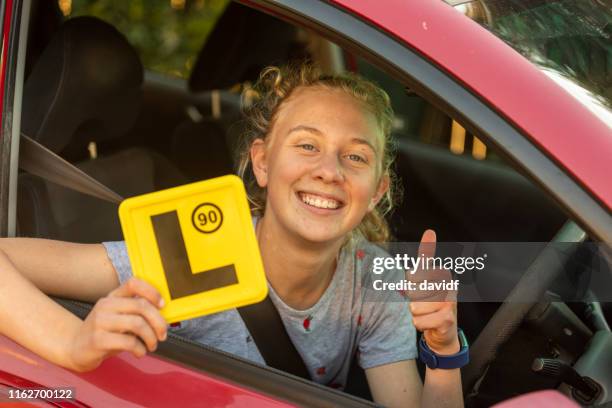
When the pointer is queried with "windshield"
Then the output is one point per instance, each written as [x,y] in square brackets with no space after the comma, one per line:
[569,40]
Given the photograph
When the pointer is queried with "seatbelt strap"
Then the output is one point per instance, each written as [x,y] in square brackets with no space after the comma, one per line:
[261,319]
[271,338]
[42,162]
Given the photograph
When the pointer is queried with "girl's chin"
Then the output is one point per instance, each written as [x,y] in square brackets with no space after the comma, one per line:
[315,233]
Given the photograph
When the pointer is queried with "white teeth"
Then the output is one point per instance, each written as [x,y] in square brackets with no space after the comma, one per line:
[320,202]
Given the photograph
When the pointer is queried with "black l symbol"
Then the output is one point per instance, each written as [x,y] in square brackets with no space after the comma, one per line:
[175,261]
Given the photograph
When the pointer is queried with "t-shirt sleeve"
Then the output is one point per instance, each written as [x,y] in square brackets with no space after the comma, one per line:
[117,253]
[389,335]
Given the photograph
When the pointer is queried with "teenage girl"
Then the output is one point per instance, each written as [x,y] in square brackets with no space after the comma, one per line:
[317,166]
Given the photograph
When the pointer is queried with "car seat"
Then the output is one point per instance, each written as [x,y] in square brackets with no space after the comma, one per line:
[200,150]
[85,87]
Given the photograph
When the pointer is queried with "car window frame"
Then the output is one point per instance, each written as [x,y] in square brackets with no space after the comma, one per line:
[15,20]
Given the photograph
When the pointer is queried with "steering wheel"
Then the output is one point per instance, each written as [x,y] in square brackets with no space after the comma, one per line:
[533,284]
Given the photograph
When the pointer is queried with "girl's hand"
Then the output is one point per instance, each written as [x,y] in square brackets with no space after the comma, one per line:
[434,312]
[128,319]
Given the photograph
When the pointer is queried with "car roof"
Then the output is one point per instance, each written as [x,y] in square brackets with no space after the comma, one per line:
[555,121]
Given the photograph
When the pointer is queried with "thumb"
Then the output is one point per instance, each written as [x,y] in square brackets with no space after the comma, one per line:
[427,247]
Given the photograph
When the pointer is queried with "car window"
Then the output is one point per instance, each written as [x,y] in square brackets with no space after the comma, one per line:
[167,34]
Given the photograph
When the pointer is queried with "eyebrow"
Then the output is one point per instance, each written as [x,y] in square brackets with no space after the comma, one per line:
[316,131]
[304,128]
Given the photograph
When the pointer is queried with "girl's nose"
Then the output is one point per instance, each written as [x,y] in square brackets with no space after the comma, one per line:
[329,169]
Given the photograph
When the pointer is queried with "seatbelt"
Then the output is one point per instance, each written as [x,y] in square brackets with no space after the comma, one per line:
[42,162]
[271,338]
[261,319]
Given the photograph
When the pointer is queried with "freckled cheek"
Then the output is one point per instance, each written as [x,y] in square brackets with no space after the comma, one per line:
[283,174]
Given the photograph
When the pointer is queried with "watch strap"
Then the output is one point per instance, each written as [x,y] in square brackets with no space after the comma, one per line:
[434,360]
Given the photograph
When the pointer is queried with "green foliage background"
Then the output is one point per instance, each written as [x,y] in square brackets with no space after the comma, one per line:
[167,38]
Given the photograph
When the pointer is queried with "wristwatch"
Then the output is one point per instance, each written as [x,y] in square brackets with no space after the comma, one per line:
[433,360]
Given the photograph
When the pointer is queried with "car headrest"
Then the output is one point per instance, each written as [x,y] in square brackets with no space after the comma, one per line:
[86,84]
[242,43]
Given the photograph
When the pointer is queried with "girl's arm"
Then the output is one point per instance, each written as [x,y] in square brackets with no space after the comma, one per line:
[399,385]
[395,385]
[125,320]
[434,314]
[64,269]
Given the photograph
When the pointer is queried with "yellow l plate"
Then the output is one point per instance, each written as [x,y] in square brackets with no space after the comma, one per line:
[196,245]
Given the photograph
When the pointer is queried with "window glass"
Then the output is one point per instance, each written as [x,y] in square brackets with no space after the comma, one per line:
[167,33]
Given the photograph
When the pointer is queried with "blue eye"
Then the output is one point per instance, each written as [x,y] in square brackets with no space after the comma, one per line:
[357,158]
[307,146]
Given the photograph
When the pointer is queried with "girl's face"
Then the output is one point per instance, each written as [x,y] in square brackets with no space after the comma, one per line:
[321,164]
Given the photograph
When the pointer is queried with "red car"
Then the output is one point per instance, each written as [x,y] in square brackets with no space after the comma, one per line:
[503,129]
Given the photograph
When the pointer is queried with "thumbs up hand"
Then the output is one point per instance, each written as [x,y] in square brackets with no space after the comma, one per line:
[434,312]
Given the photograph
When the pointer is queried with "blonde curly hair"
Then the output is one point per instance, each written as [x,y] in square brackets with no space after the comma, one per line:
[275,86]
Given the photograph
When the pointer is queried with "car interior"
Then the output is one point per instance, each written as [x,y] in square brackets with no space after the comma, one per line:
[89,97]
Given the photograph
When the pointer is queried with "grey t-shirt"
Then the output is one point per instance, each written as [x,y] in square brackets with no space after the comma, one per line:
[327,335]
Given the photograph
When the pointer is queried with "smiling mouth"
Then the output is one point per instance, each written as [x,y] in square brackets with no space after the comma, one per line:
[317,201]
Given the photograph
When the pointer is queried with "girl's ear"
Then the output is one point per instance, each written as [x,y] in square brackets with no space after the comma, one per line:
[260,165]
[383,187]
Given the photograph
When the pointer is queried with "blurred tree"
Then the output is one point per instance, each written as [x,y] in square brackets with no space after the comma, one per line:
[167,33]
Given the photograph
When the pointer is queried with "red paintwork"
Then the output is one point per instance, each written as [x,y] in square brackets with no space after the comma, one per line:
[556,122]
[125,381]
[541,399]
